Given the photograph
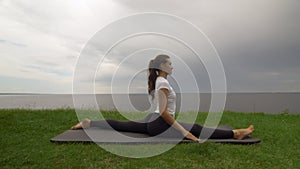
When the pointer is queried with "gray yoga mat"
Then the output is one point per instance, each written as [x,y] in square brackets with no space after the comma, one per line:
[102,136]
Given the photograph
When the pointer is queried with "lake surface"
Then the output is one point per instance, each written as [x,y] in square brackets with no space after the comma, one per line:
[270,103]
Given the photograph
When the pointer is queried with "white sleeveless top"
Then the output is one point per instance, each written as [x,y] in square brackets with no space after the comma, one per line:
[164,83]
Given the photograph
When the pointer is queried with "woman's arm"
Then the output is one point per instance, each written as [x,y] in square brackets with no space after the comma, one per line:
[163,104]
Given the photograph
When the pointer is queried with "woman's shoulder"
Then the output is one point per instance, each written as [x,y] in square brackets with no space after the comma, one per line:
[162,80]
[162,83]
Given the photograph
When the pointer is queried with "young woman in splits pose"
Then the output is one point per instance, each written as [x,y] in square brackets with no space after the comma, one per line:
[162,121]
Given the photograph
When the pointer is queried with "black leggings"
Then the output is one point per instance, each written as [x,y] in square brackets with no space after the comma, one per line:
[153,124]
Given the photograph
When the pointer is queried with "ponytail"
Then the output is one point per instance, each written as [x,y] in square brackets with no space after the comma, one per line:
[153,73]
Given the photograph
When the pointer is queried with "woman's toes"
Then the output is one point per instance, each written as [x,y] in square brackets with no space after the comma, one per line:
[77,126]
[251,127]
[84,124]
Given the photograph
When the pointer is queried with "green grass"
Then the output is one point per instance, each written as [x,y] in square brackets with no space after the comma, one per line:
[25,135]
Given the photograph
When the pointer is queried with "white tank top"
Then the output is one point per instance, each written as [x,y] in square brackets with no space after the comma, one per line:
[164,83]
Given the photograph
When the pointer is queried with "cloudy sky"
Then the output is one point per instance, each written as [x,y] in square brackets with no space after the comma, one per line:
[41,42]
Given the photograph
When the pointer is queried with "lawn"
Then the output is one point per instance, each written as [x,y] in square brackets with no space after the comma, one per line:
[25,143]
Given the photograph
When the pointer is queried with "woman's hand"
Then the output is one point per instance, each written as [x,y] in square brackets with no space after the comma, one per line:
[192,137]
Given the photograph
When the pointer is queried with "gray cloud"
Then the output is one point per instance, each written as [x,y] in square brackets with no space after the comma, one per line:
[258,42]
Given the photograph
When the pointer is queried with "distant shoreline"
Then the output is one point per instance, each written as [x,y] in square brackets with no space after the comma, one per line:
[267,102]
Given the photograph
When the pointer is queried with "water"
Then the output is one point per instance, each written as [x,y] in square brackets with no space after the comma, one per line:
[270,103]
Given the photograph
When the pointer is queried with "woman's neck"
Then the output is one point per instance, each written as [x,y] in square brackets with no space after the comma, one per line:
[163,74]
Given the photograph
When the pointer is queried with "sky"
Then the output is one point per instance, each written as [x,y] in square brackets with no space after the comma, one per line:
[57,46]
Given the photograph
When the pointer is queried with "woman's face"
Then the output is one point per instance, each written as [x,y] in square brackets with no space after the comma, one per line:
[167,67]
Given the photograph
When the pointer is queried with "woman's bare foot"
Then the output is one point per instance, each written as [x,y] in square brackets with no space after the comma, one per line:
[239,134]
[83,124]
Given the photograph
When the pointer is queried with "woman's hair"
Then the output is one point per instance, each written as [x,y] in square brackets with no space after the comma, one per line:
[154,66]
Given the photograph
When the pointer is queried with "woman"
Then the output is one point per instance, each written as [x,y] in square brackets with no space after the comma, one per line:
[162,120]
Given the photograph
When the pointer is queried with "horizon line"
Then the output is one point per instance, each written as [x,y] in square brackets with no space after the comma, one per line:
[236,92]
